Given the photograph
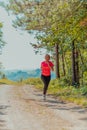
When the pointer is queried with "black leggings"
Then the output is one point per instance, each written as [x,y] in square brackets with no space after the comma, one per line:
[46,80]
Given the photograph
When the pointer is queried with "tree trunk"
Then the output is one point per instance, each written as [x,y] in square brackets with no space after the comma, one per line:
[82,62]
[63,64]
[75,66]
[57,60]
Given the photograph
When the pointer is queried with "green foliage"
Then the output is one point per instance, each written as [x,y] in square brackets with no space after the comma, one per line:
[33,81]
[84,91]
[2,43]
[55,22]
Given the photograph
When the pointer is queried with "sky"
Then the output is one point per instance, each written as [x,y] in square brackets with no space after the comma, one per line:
[17,53]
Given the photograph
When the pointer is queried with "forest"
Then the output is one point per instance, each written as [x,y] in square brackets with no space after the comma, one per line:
[60,28]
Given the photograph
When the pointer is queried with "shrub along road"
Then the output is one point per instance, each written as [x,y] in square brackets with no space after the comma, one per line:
[23,108]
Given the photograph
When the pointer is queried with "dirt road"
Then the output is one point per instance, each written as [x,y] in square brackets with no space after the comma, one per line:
[23,108]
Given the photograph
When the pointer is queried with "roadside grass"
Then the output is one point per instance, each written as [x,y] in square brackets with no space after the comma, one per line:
[9,82]
[6,81]
[63,92]
[56,89]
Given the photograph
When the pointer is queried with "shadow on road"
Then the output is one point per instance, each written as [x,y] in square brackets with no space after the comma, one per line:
[53,103]
[2,114]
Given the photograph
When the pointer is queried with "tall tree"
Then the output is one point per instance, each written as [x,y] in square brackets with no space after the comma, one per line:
[2,43]
[59,22]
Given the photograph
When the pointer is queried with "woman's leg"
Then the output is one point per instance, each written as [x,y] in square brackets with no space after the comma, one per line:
[46,80]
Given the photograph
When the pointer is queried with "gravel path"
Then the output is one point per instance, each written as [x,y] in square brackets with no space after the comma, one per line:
[23,108]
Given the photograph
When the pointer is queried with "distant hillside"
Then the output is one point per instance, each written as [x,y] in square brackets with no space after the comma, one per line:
[17,75]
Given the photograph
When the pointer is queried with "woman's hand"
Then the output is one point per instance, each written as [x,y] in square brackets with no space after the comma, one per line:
[51,67]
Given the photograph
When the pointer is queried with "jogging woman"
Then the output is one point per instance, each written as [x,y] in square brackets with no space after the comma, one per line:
[46,67]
